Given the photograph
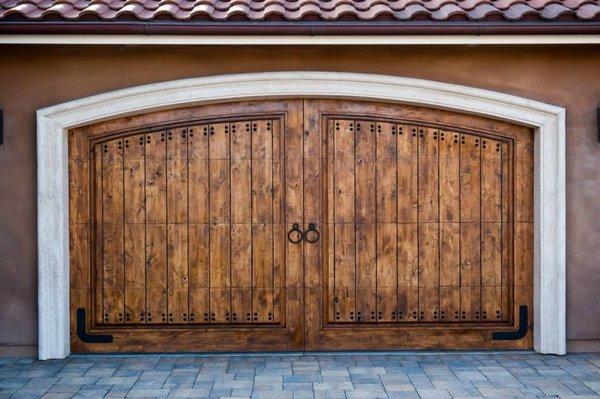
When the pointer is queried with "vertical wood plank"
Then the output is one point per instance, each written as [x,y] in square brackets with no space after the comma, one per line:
[407,173]
[113,234]
[198,240]
[470,234]
[491,229]
[293,211]
[98,271]
[365,219]
[428,189]
[407,192]
[449,178]
[344,214]
[177,225]
[262,219]
[279,231]
[387,206]
[219,231]
[241,219]
[156,227]
[135,218]
[198,273]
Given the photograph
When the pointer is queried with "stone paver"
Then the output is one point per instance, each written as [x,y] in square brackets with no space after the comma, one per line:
[305,376]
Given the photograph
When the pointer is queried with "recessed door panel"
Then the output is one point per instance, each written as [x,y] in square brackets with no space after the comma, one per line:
[417,228]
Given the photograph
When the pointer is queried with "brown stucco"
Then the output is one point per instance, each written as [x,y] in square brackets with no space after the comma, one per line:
[35,77]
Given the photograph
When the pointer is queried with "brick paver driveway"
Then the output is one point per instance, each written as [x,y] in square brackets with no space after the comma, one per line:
[352,375]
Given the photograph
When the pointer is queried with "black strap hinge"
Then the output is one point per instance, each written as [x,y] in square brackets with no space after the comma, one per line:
[514,335]
[89,338]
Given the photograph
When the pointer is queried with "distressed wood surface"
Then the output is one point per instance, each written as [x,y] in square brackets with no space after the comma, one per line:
[179,233]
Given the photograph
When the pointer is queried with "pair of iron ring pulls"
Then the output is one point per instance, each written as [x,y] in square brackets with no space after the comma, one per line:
[312,235]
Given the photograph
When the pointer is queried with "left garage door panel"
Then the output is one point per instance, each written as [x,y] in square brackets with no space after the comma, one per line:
[187,225]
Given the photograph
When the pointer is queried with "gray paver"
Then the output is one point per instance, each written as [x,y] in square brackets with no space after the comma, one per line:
[312,376]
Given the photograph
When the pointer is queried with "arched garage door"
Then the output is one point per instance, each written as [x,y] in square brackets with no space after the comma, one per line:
[300,224]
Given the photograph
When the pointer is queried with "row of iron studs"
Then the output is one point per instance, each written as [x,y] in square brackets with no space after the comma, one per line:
[147,317]
[169,135]
[421,315]
[400,132]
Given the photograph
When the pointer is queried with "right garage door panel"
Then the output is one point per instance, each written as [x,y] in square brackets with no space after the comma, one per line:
[419,230]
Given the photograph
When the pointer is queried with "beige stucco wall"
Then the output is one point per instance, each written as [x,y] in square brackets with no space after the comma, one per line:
[34,77]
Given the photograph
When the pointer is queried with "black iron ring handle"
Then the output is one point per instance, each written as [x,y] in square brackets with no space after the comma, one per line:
[295,229]
[312,228]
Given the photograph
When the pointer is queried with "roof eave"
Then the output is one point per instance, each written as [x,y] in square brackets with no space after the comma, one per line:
[300,28]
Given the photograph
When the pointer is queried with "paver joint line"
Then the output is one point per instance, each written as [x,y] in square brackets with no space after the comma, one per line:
[305,375]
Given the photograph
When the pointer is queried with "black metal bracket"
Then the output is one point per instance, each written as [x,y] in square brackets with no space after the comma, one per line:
[514,335]
[89,338]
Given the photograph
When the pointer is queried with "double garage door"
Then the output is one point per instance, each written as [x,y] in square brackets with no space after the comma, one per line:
[300,225]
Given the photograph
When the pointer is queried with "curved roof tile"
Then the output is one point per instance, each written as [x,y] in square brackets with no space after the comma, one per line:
[297,10]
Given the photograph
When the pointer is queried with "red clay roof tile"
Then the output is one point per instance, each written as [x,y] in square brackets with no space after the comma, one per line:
[299,10]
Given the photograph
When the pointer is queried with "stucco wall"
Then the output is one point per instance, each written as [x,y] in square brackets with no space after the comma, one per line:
[35,77]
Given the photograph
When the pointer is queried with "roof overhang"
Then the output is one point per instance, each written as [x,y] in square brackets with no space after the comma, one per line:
[301,28]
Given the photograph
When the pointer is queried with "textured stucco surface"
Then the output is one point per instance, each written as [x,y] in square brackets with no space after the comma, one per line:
[34,77]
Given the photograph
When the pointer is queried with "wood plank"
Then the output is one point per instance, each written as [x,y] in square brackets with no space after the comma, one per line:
[113,235]
[491,229]
[366,272]
[428,216]
[408,272]
[97,253]
[507,232]
[262,272]
[344,216]
[156,227]
[219,231]
[407,177]
[387,271]
[177,275]
[241,272]
[135,274]
[262,219]
[365,172]
[79,190]
[220,282]
[344,182]
[428,271]
[279,228]
[198,167]
[241,218]
[428,175]
[386,173]
[198,273]
[386,215]
[345,272]
[262,173]
[177,225]
[156,178]
[450,271]
[449,186]
[470,235]
[365,217]
[198,217]
[177,176]
[407,173]
[156,273]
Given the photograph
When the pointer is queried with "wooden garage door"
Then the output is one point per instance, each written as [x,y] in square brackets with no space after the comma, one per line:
[417,216]
[314,224]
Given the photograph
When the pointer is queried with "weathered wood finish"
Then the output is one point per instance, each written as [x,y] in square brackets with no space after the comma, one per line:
[179,231]
[420,237]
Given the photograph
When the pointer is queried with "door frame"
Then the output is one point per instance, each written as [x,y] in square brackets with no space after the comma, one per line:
[53,123]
